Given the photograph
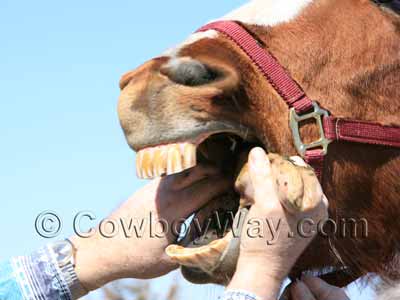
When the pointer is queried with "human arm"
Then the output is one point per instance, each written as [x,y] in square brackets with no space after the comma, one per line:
[160,203]
[98,259]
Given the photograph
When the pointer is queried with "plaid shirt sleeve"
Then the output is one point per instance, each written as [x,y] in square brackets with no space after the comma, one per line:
[238,295]
[37,277]
[33,277]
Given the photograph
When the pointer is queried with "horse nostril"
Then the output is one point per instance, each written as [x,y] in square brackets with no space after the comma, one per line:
[125,79]
[188,72]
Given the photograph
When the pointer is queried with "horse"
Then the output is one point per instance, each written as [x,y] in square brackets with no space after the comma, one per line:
[206,100]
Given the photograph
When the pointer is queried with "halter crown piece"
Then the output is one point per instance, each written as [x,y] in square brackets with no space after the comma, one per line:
[302,107]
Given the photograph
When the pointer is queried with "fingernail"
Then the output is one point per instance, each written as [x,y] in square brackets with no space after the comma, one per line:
[257,155]
[258,160]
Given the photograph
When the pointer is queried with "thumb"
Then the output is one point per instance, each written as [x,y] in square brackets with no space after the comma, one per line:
[259,166]
[261,174]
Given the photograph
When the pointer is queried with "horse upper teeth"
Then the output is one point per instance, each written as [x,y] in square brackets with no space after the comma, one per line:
[234,144]
[165,160]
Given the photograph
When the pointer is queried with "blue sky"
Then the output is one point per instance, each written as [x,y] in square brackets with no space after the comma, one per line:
[61,145]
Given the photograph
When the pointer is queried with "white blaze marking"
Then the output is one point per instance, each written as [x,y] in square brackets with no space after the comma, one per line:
[210,34]
[268,12]
[256,12]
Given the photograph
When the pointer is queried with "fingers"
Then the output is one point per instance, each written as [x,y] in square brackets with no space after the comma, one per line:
[201,192]
[300,291]
[185,179]
[261,178]
[313,288]
[297,160]
[314,200]
[260,166]
[323,290]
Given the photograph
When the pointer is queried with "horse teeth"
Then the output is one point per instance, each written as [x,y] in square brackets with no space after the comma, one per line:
[233,145]
[174,164]
[159,167]
[165,160]
[138,164]
[146,164]
[189,157]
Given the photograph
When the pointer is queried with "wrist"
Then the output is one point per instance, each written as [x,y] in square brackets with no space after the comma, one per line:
[264,266]
[92,265]
[257,278]
[62,254]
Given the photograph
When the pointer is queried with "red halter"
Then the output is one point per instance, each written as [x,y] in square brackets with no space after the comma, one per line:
[303,108]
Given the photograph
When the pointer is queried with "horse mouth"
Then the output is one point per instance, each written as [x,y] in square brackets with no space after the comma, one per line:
[168,159]
[204,249]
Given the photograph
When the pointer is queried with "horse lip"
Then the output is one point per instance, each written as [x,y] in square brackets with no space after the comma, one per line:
[175,157]
[195,134]
[209,258]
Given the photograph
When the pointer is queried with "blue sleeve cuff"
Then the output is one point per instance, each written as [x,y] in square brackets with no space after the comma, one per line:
[34,277]
[9,288]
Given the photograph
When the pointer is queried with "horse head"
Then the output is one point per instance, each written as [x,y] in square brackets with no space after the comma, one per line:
[205,100]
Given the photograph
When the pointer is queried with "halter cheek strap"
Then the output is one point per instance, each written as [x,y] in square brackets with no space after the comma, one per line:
[302,107]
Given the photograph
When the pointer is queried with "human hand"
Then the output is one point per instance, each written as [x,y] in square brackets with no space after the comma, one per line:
[312,288]
[268,249]
[100,260]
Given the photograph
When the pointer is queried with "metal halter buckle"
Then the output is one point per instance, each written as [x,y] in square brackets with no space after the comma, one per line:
[317,114]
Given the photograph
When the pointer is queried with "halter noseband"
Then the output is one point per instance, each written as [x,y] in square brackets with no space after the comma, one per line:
[302,107]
